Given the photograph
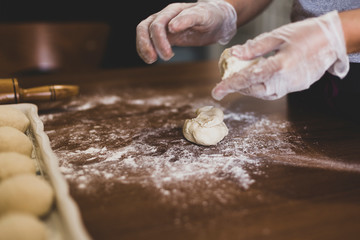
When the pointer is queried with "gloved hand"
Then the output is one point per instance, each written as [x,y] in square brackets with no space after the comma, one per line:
[302,53]
[185,24]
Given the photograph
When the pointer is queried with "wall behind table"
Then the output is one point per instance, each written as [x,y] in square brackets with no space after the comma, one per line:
[122,17]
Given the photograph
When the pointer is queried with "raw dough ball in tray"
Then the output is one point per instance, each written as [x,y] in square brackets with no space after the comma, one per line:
[21,226]
[26,193]
[13,117]
[13,140]
[13,163]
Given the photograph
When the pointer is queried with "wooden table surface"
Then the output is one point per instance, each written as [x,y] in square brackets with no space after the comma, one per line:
[281,173]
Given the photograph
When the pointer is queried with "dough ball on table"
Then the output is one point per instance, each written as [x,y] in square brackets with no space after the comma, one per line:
[13,140]
[207,128]
[21,226]
[26,193]
[13,163]
[13,117]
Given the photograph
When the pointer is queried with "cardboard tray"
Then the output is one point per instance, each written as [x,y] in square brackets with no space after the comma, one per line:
[64,221]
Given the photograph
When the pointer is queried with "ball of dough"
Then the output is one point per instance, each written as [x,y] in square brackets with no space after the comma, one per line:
[26,193]
[13,140]
[13,117]
[228,64]
[13,163]
[207,128]
[21,226]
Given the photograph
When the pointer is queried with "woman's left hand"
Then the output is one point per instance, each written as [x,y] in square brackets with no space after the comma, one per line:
[303,52]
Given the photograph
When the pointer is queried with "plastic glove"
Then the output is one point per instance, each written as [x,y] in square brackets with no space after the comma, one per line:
[302,53]
[185,24]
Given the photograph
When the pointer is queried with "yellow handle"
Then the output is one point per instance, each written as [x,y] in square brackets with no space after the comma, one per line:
[10,92]
[48,93]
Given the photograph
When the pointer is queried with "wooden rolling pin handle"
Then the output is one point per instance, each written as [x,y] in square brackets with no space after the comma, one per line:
[48,93]
[10,92]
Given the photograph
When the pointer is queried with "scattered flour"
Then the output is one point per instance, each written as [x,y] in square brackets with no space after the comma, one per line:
[155,154]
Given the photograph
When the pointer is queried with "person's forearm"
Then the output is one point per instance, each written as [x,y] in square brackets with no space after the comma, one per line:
[351,26]
[248,9]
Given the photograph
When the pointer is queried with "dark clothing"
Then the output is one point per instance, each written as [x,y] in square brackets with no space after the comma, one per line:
[332,94]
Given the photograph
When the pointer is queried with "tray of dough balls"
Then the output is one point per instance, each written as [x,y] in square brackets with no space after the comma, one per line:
[34,197]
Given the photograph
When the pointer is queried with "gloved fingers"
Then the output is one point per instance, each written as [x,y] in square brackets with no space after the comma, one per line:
[188,18]
[152,34]
[259,46]
[144,45]
[234,83]
[158,30]
[259,72]
[222,89]
[260,90]
[255,75]
[158,36]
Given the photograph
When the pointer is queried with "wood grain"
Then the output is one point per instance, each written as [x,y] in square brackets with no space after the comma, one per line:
[309,191]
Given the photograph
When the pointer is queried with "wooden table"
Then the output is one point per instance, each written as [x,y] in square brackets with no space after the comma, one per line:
[281,173]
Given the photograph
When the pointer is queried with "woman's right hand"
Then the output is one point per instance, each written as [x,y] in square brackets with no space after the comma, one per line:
[185,24]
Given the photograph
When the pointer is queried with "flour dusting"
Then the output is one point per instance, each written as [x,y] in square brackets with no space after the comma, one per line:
[154,154]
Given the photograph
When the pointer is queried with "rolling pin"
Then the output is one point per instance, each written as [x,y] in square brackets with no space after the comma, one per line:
[10,92]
